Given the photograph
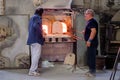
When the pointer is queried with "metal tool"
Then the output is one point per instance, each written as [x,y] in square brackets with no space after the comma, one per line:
[112,77]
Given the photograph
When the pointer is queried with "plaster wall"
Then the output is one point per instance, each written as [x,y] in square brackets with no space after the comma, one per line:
[19,7]
[18,45]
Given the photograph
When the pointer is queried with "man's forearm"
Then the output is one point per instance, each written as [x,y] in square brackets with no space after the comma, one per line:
[92,35]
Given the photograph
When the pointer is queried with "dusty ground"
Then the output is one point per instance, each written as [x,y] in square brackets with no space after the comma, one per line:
[58,72]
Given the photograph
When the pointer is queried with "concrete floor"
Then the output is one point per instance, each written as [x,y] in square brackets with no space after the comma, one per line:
[59,72]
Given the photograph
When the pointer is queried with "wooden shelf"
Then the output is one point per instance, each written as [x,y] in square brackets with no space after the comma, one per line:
[115,42]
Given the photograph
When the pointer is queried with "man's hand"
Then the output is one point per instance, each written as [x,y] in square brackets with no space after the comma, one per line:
[82,32]
[88,44]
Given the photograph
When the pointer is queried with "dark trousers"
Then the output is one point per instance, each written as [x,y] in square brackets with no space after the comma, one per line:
[91,58]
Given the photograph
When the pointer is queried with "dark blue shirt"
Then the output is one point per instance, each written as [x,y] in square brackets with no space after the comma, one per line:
[92,23]
[35,30]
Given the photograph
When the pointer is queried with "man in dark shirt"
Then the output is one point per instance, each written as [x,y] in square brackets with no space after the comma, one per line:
[35,40]
[91,38]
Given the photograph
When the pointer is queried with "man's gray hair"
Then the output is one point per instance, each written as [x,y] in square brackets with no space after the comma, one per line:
[90,11]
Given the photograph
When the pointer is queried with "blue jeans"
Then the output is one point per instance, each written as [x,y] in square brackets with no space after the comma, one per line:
[91,59]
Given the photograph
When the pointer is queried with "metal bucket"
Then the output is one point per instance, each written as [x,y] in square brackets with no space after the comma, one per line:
[100,62]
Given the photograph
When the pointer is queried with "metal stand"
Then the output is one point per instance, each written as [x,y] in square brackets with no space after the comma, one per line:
[75,66]
[75,52]
[115,65]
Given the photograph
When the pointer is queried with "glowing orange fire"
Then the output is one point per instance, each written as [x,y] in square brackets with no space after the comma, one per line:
[45,28]
[64,28]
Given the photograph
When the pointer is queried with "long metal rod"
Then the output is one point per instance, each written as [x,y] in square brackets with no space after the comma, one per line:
[77,37]
[115,65]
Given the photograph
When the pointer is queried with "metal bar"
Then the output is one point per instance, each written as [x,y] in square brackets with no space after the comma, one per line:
[115,66]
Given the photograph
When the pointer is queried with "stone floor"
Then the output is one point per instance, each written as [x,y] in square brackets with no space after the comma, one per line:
[58,72]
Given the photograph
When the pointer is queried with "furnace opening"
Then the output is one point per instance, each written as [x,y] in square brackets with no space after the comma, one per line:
[57,24]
